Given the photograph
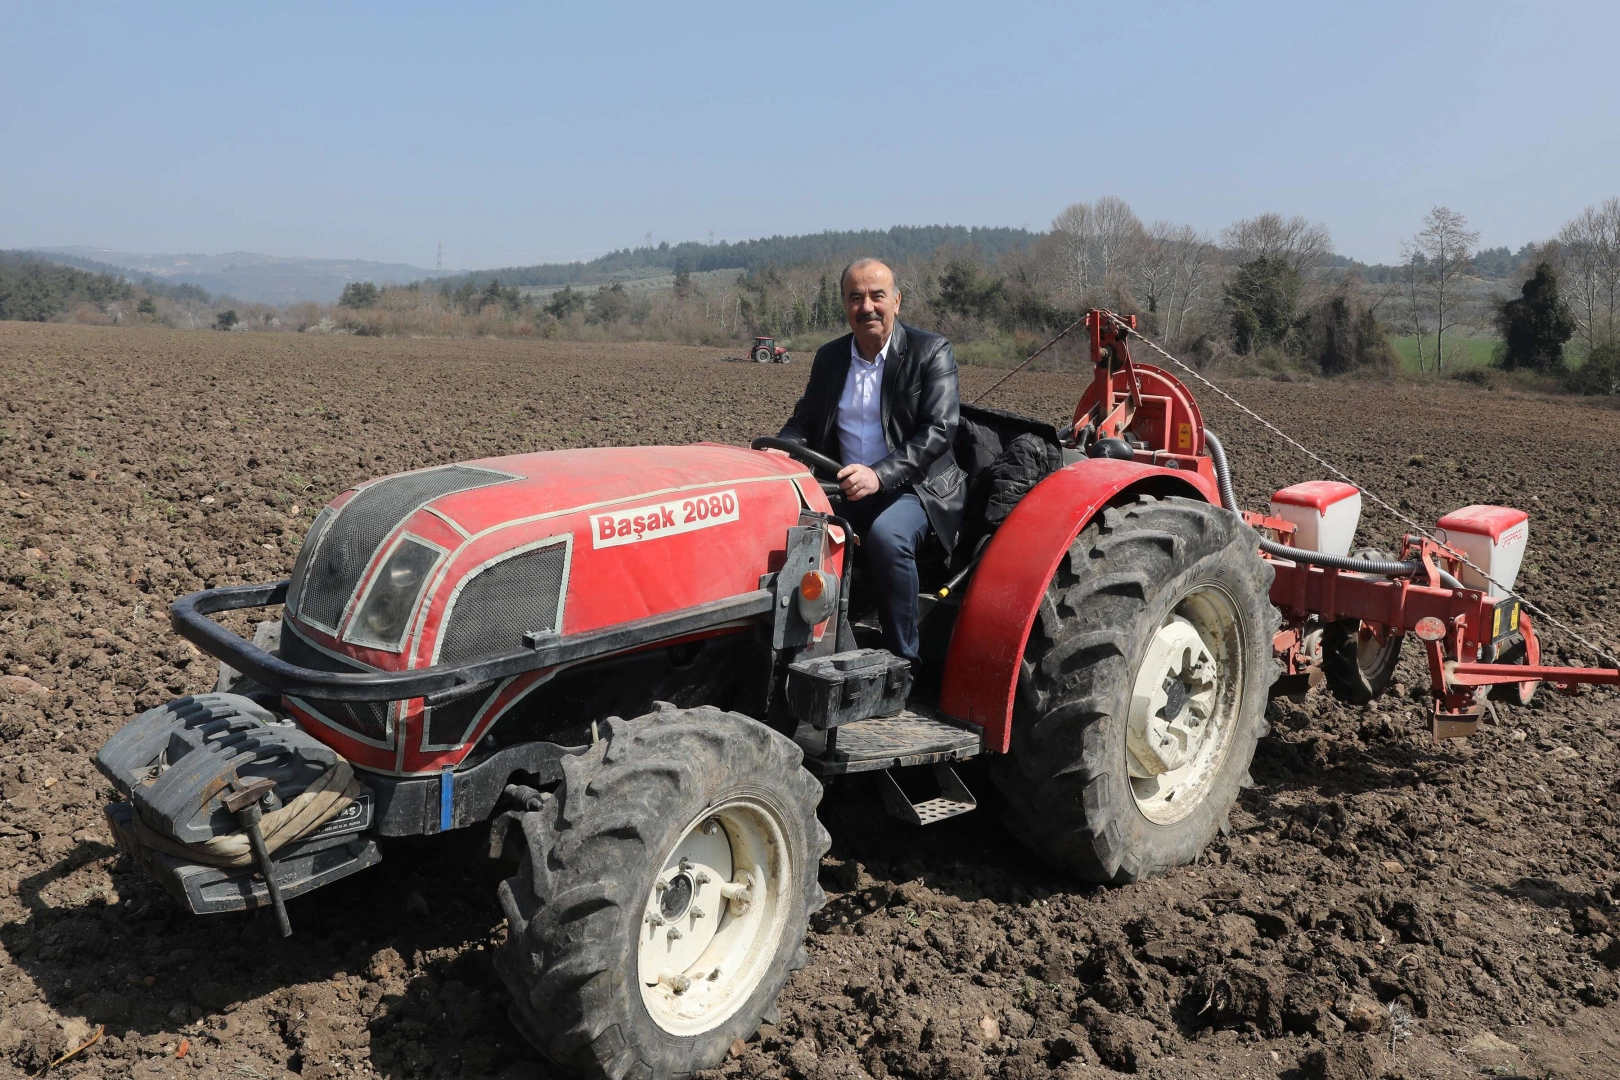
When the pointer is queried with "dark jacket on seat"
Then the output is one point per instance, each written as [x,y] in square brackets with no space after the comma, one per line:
[920,411]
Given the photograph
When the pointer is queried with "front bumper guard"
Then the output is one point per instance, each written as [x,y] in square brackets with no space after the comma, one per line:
[441,682]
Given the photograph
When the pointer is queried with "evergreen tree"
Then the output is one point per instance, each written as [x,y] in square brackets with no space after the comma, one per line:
[492,294]
[1535,325]
[828,311]
[610,304]
[963,291]
[565,302]
[1260,301]
[359,294]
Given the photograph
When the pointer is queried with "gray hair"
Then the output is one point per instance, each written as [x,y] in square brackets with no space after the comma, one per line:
[867,261]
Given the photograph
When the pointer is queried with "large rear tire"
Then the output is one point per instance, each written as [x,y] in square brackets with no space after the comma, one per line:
[663,894]
[1143,691]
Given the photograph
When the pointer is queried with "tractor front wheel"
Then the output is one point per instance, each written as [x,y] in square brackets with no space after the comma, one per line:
[663,894]
[1143,691]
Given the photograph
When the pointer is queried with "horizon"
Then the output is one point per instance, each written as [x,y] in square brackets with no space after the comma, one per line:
[523,136]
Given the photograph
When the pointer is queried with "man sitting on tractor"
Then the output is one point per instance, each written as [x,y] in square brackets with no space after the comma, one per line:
[883,400]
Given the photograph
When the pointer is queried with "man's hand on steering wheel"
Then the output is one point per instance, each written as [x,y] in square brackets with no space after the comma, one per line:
[854,481]
[858,481]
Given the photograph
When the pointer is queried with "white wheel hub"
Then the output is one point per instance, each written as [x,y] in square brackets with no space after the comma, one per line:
[1184,705]
[714,917]
[1172,702]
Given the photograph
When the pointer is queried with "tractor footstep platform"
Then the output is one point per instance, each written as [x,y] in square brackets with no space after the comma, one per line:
[887,742]
[953,798]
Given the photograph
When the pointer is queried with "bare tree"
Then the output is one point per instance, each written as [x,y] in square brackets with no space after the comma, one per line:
[1169,266]
[1446,245]
[1195,269]
[1410,297]
[1589,256]
[1302,244]
[1153,267]
[1076,230]
[1097,241]
[1118,234]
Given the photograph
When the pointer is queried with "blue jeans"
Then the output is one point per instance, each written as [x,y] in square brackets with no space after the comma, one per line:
[892,526]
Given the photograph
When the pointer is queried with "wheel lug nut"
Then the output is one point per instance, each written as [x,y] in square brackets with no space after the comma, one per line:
[655,919]
[697,913]
[686,864]
[711,826]
[700,879]
[674,934]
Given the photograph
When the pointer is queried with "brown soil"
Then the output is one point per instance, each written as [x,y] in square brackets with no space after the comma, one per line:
[1464,892]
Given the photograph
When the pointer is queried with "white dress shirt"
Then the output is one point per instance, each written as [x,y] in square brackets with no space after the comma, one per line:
[860,409]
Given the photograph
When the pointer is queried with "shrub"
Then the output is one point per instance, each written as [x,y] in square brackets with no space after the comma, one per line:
[1600,374]
[226,319]
[1342,335]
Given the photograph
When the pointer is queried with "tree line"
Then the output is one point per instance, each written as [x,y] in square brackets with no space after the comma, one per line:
[898,243]
[34,290]
[1266,290]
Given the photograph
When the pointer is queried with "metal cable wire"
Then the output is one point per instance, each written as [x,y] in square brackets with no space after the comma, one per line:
[1535,609]
[1026,363]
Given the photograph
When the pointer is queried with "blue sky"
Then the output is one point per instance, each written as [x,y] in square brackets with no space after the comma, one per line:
[525,133]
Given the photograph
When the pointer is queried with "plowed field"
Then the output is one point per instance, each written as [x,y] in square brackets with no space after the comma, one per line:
[1384,905]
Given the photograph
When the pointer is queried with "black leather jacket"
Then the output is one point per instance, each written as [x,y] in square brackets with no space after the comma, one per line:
[920,416]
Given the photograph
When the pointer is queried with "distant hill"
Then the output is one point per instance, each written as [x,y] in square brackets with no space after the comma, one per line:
[265,279]
[900,242]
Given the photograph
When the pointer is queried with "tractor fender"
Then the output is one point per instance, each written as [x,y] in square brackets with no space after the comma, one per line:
[987,644]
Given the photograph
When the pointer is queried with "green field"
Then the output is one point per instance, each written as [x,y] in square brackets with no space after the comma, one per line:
[1461,352]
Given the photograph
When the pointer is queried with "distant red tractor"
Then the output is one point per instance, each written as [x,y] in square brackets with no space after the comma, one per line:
[636,664]
[767,351]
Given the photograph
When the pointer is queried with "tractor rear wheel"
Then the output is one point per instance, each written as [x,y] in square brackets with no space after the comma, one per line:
[762,355]
[663,894]
[1143,691]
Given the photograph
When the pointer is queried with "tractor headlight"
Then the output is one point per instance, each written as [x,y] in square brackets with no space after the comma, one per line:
[385,613]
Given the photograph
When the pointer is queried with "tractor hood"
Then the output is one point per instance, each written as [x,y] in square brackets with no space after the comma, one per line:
[461,561]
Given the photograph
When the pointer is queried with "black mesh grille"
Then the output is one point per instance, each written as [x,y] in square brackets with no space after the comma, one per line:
[301,564]
[498,606]
[365,522]
[447,723]
[368,718]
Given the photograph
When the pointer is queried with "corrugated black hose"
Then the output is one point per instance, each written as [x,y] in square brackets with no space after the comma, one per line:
[1381,567]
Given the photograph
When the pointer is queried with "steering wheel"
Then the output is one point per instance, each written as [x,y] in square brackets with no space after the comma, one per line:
[825,468]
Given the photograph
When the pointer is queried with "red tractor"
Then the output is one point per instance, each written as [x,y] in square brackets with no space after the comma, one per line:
[636,665]
[767,351]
